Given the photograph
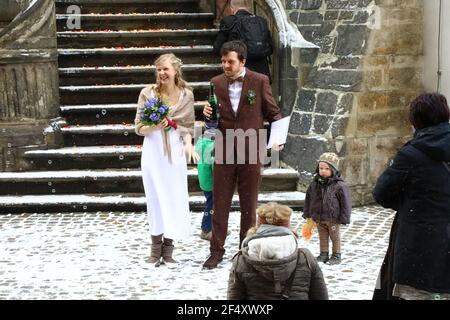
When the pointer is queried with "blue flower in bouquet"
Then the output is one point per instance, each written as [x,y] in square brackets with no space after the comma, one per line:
[162,109]
[154,111]
[154,117]
[152,102]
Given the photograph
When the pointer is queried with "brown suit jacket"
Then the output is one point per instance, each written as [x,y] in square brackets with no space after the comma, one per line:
[248,116]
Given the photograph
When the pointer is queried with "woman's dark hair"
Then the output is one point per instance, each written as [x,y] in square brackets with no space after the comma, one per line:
[428,109]
[237,46]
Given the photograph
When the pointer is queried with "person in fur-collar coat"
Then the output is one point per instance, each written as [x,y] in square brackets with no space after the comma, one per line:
[271,266]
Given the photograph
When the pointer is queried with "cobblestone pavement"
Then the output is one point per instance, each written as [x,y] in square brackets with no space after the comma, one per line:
[102,256]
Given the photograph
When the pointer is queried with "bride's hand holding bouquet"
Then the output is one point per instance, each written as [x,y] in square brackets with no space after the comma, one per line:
[154,116]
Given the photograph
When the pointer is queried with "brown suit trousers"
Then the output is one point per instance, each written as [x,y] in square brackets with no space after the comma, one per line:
[226,176]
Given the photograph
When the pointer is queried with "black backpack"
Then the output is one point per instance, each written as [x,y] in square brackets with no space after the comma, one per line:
[254,32]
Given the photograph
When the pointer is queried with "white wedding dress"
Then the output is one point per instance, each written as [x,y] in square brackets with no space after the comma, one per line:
[165,185]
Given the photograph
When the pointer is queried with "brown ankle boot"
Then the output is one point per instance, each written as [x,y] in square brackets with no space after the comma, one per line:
[213,261]
[156,252]
[167,251]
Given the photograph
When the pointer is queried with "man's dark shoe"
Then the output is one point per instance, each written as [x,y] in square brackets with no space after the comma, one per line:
[323,257]
[212,261]
[335,259]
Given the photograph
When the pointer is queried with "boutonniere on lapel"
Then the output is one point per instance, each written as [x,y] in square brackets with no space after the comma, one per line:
[251,97]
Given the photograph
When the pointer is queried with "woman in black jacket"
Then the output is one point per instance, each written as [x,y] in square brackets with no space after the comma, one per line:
[417,186]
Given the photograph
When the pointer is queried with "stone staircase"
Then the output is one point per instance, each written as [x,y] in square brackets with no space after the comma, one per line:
[102,69]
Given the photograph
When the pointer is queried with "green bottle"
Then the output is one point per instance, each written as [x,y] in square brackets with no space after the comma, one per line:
[213,121]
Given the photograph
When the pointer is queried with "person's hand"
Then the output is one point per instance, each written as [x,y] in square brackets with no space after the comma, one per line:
[207,110]
[191,154]
[146,130]
[163,124]
[277,147]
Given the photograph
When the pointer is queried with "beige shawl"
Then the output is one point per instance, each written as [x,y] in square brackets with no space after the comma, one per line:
[182,113]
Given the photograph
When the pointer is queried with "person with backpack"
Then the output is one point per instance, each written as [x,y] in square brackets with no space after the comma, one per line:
[253,31]
[271,266]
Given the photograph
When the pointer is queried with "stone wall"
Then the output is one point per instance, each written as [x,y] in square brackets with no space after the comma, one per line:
[28,81]
[355,100]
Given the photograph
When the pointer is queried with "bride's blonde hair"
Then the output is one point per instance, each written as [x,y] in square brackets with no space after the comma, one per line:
[176,64]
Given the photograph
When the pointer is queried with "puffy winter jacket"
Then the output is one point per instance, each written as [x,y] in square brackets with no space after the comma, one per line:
[331,202]
[205,166]
[263,266]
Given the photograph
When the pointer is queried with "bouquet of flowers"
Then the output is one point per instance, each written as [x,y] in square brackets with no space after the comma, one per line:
[154,112]
[308,228]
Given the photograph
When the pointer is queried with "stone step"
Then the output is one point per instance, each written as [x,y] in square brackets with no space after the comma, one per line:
[127,93]
[102,135]
[94,147]
[114,181]
[133,56]
[106,134]
[127,6]
[85,157]
[108,113]
[65,22]
[157,37]
[130,74]
[124,202]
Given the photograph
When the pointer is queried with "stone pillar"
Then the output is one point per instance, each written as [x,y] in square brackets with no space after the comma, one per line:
[324,97]
[10,9]
[28,81]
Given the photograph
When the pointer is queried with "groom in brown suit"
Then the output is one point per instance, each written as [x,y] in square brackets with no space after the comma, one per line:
[246,100]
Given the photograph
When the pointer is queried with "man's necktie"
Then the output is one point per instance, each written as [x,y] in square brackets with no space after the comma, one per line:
[238,79]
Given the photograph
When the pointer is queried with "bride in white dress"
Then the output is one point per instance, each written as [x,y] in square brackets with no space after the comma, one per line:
[163,160]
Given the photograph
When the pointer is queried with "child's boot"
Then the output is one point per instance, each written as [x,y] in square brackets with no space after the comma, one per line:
[323,257]
[335,259]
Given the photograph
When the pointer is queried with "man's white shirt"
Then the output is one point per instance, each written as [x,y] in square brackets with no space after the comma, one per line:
[235,90]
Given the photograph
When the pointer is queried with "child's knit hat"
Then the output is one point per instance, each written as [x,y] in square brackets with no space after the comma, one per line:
[330,158]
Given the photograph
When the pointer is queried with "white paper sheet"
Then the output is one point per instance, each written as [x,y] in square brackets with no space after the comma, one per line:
[278,132]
